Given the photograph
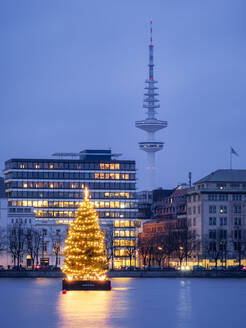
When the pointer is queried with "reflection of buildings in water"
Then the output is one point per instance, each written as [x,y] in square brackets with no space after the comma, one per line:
[92,309]
[184,306]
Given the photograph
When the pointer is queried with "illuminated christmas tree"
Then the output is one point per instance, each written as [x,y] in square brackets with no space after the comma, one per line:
[85,257]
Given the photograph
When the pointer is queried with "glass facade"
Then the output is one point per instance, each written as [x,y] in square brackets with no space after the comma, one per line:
[54,189]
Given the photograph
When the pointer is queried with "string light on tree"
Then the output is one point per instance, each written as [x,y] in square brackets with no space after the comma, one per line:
[85,256]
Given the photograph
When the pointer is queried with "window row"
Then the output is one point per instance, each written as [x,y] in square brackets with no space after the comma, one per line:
[123,224]
[21,221]
[56,204]
[91,185]
[70,176]
[222,221]
[101,214]
[219,197]
[69,185]
[193,198]
[124,233]
[124,242]
[194,210]
[221,209]
[67,165]
[218,234]
[46,194]
[121,252]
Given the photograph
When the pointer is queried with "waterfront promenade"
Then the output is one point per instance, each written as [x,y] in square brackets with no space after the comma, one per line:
[131,274]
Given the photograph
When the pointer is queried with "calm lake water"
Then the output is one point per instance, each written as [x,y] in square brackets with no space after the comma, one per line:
[138,303]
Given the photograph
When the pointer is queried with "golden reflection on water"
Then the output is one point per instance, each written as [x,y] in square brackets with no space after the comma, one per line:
[87,309]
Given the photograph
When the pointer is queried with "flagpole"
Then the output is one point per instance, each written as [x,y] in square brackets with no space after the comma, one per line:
[230,160]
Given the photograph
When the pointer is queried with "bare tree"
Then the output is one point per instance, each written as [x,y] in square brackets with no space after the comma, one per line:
[33,243]
[2,239]
[216,246]
[238,241]
[109,242]
[143,249]
[57,237]
[16,241]
[131,251]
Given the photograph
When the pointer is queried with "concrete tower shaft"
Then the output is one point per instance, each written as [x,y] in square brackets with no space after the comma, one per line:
[151,124]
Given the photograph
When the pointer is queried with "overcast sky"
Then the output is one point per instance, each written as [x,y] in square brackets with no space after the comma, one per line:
[72,77]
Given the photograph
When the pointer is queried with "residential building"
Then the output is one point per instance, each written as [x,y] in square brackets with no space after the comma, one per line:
[216,216]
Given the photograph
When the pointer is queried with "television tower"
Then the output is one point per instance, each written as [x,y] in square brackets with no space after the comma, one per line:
[151,124]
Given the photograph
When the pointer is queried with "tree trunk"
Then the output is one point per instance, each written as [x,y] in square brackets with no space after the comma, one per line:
[56,263]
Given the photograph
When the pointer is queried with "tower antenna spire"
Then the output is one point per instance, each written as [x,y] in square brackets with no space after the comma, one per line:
[150,32]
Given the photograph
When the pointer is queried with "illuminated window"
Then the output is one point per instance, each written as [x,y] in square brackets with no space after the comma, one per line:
[111,166]
[106,176]
[117,166]
[107,166]
[37,166]
[117,176]
[106,194]
[101,175]
[111,204]
[116,223]
[102,166]
[97,175]
[51,166]
[51,185]
[24,185]
[22,166]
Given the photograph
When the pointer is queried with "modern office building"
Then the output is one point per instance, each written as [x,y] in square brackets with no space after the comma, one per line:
[151,124]
[54,189]
[216,215]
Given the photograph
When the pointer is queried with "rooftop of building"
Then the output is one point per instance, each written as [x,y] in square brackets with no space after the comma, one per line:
[87,155]
[225,176]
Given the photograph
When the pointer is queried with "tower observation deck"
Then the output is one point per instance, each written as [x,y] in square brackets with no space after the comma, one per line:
[151,124]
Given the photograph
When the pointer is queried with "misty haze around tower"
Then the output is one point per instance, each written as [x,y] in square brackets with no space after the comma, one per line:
[151,124]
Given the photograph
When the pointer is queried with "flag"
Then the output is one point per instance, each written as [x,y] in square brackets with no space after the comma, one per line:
[233,151]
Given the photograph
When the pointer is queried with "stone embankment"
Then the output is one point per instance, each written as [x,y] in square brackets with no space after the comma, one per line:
[131,274]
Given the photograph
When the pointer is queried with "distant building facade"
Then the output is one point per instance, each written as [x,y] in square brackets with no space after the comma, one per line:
[163,237]
[53,188]
[216,215]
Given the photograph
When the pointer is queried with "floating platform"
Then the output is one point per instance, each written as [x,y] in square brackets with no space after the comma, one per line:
[86,284]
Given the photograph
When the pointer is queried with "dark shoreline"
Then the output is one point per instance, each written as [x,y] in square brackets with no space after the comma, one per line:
[131,274]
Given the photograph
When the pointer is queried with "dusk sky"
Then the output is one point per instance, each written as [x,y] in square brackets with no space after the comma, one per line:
[72,78]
